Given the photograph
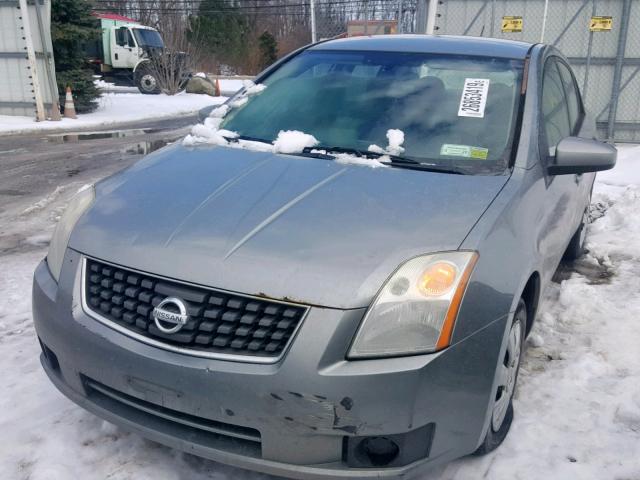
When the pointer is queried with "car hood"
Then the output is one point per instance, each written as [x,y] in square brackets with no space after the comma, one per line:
[303,229]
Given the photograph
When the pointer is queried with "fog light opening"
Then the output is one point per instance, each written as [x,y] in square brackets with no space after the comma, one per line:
[380,451]
[50,357]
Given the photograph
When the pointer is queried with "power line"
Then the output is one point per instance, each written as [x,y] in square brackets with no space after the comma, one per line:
[349,3]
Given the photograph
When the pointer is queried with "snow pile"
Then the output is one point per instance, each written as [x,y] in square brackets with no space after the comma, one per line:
[395,139]
[253,88]
[117,109]
[250,89]
[347,159]
[627,170]
[200,133]
[108,87]
[289,141]
[293,141]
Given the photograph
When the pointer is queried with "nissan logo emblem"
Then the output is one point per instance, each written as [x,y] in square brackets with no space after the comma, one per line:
[170,315]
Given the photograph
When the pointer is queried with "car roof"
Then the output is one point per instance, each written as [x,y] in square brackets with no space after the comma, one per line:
[481,46]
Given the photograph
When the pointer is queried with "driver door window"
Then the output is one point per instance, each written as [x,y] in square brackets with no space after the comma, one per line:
[555,109]
[121,36]
[130,41]
[573,97]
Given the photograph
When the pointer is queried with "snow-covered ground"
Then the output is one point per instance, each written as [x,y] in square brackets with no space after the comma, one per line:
[577,406]
[228,86]
[116,109]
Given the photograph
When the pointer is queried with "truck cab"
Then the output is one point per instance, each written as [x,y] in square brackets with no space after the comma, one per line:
[130,43]
[122,54]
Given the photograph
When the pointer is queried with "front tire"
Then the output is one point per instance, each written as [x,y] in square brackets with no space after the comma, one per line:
[146,81]
[502,407]
[575,249]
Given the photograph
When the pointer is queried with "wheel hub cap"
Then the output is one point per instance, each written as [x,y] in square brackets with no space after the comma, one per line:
[507,374]
[149,82]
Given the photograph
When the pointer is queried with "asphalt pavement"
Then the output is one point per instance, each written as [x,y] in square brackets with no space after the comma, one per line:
[40,172]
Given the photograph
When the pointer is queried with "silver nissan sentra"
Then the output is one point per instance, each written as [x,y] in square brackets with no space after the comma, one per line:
[297,312]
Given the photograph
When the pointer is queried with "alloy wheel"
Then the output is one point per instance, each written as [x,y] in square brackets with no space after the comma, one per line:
[507,375]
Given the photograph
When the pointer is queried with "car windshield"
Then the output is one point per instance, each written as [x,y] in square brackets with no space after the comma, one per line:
[455,111]
[148,38]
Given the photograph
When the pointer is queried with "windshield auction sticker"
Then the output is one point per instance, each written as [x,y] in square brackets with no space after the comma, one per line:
[474,97]
[466,151]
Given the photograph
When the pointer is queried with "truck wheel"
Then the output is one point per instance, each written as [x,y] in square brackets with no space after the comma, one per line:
[502,408]
[146,82]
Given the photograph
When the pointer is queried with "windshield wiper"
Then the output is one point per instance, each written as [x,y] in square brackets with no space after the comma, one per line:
[426,167]
[394,160]
[359,153]
[246,137]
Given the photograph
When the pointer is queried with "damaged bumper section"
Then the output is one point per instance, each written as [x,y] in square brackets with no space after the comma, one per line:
[313,414]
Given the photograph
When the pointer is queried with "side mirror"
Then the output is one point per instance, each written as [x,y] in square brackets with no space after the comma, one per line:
[580,155]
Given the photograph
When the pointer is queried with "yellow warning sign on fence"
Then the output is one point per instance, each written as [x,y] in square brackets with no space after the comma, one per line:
[511,24]
[600,24]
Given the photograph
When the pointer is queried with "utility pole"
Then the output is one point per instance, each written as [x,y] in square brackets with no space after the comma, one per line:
[50,68]
[31,56]
[432,13]
[421,16]
[617,72]
[314,35]
[544,20]
[366,17]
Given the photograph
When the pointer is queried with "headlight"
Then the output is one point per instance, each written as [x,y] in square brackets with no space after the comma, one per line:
[416,309]
[77,206]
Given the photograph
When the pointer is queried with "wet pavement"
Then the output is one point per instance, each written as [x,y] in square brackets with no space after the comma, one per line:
[39,173]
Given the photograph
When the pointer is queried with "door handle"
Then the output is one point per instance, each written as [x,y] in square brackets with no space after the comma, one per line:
[116,55]
[577,177]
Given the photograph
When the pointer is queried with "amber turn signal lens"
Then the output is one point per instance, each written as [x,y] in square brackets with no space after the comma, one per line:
[438,279]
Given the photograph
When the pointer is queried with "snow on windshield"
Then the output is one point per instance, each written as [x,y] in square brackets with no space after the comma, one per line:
[250,89]
[395,140]
[287,141]
[293,141]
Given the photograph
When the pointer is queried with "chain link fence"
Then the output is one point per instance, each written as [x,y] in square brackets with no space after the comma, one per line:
[335,18]
[597,36]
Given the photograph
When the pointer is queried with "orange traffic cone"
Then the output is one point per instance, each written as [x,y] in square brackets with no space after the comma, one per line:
[69,107]
[217,91]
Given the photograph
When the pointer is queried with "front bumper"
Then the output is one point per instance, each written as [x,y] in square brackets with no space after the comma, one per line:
[296,418]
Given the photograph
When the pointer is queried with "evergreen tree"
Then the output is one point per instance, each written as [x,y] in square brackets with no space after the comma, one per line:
[268,49]
[71,26]
[221,30]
